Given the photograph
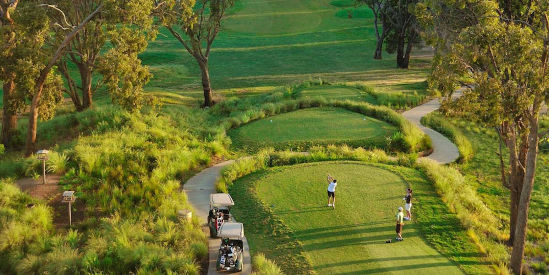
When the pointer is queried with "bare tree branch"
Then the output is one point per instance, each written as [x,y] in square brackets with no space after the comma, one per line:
[62,14]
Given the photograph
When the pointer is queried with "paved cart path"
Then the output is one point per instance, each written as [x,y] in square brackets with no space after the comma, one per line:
[444,150]
[198,190]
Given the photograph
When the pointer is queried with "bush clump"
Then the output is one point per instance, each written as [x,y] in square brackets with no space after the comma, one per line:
[264,266]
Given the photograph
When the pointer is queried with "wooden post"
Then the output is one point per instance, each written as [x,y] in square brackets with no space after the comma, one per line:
[70,216]
[44,169]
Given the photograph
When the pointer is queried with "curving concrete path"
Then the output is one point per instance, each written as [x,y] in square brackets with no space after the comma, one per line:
[198,190]
[444,150]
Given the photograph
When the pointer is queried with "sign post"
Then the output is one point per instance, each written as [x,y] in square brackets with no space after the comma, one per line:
[43,156]
[68,197]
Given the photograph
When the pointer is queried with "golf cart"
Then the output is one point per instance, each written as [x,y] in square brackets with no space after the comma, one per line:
[230,256]
[220,206]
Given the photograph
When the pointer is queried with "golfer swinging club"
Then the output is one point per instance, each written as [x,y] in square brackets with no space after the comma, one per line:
[332,183]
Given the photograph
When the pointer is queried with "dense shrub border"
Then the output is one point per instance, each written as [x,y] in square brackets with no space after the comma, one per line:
[397,100]
[444,127]
[460,198]
[128,172]
[409,138]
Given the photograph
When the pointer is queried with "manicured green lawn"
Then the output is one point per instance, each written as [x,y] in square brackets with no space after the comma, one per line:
[286,217]
[312,126]
[266,43]
[337,93]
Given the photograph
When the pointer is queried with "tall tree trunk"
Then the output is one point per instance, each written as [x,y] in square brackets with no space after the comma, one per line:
[379,49]
[33,116]
[400,51]
[406,59]
[516,180]
[9,116]
[525,196]
[86,78]
[73,90]
[379,44]
[206,86]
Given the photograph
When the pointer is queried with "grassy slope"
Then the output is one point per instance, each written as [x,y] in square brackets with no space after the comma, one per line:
[482,171]
[351,238]
[276,42]
[324,125]
[337,93]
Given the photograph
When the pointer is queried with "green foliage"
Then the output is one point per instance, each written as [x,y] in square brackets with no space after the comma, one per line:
[481,222]
[2,150]
[127,25]
[355,12]
[412,138]
[136,167]
[57,163]
[264,266]
[123,73]
[23,223]
[143,245]
[444,127]
[301,129]
[482,173]
[342,3]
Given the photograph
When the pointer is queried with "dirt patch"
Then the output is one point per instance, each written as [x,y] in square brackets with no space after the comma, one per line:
[51,193]
[36,189]
[61,212]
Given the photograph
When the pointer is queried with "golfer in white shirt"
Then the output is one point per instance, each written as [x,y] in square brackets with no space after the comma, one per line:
[332,183]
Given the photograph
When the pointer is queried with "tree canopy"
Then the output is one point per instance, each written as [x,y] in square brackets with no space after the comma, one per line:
[499,52]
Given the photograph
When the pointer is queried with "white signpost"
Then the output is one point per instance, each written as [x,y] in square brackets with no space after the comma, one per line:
[43,156]
[68,196]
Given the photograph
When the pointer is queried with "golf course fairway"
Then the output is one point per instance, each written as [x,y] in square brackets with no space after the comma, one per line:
[337,93]
[307,127]
[285,212]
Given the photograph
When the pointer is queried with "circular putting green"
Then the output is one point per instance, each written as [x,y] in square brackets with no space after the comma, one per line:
[291,204]
[307,127]
[337,93]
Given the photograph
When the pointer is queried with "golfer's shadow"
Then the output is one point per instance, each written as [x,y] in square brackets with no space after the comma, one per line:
[305,210]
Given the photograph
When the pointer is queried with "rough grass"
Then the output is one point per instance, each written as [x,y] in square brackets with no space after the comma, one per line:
[291,202]
[307,127]
[483,175]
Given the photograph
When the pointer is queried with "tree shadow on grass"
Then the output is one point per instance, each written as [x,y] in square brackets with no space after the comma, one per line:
[409,268]
[353,241]
[304,210]
[353,231]
[331,228]
[426,257]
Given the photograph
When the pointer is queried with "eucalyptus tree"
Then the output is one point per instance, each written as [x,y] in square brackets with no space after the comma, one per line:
[40,76]
[500,51]
[195,24]
[124,24]
[403,29]
[378,7]
[25,32]
[8,42]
